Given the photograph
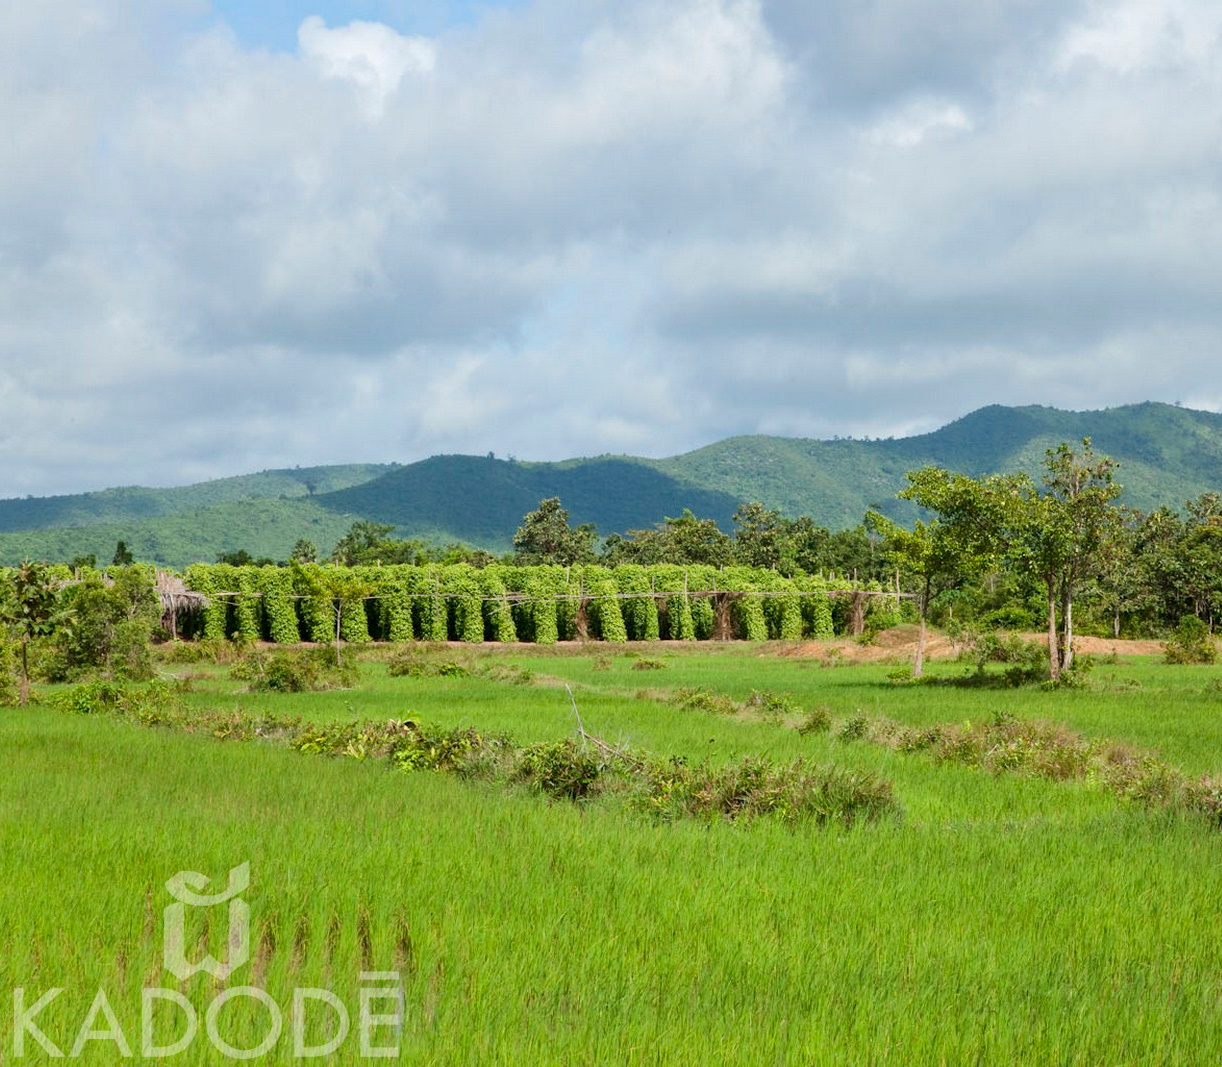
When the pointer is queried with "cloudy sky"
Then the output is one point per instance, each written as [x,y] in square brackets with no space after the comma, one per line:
[238,235]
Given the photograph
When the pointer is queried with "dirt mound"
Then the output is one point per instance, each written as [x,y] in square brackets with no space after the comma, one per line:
[1106,646]
[899,643]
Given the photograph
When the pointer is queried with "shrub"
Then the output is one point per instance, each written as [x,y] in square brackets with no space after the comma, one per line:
[698,698]
[422,663]
[818,721]
[561,769]
[312,670]
[112,626]
[854,729]
[792,793]
[774,706]
[1191,643]
[150,703]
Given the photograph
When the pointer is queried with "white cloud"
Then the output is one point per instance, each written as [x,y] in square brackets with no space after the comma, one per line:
[369,54]
[918,121]
[584,226]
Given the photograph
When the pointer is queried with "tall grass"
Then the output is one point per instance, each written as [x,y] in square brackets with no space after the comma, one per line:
[1003,920]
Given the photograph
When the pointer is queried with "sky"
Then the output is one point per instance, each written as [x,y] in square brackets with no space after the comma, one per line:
[237,236]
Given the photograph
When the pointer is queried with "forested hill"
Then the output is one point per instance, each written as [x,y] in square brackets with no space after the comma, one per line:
[1167,455]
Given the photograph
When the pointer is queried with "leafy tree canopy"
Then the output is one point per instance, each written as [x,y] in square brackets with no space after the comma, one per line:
[545,536]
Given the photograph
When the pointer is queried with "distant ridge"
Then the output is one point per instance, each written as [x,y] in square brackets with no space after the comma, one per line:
[1167,455]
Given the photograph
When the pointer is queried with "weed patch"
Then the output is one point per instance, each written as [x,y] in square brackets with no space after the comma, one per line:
[308,671]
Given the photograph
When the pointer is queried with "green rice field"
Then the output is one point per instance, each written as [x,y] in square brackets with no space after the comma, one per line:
[992,917]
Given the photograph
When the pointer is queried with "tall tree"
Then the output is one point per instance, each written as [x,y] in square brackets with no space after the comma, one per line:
[686,539]
[545,536]
[762,537]
[940,554]
[31,610]
[1058,534]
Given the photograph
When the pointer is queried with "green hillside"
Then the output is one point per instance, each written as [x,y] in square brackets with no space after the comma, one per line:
[1167,455]
[482,500]
[262,527]
[122,505]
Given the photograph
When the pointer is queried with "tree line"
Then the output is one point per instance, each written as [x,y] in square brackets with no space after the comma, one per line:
[1004,552]
[1008,551]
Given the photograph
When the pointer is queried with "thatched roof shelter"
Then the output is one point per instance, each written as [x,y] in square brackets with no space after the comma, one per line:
[177,600]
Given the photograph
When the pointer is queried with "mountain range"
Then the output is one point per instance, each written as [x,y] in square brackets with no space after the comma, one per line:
[1167,454]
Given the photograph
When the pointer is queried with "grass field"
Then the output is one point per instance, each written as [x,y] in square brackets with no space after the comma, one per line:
[998,919]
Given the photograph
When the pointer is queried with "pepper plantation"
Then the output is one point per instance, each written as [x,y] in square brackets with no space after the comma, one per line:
[536,604]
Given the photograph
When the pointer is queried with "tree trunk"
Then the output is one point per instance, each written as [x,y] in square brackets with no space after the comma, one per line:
[918,665]
[1067,634]
[1054,655]
[1116,624]
[25,670]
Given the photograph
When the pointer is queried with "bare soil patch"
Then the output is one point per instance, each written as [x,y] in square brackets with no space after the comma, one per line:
[899,644]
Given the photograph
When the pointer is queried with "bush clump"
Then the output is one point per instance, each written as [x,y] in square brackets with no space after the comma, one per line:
[773,706]
[151,703]
[792,793]
[1026,662]
[1191,643]
[307,671]
[413,662]
[818,721]
[701,698]
[581,770]
[561,769]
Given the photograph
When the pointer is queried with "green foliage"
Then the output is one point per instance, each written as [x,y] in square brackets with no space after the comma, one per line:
[686,539]
[773,706]
[110,626]
[1169,454]
[247,605]
[560,769]
[701,698]
[369,543]
[415,662]
[545,536]
[498,612]
[396,606]
[148,703]
[202,578]
[242,558]
[275,585]
[464,596]
[606,616]
[429,609]
[9,690]
[816,610]
[543,604]
[750,623]
[1191,643]
[818,721]
[1025,661]
[782,614]
[304,551]
[293,671]
[535,615]
[640,611]
[30,609]
[580,771]
[314,602]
